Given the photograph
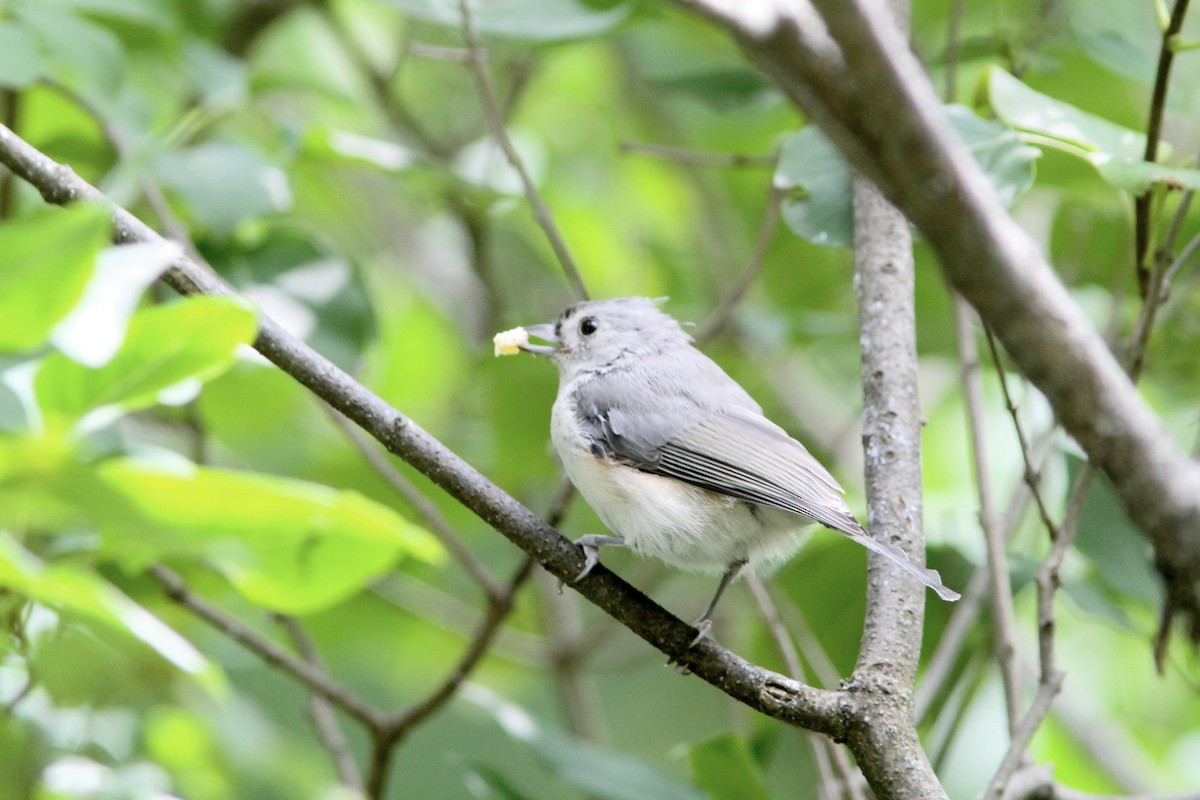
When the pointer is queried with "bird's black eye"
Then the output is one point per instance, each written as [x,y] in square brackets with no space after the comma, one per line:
[588,326]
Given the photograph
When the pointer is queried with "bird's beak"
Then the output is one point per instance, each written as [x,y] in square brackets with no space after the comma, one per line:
[544,332]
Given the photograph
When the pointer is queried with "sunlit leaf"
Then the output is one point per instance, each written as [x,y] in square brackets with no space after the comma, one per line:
[288,545]
[322,140]
[165,345]
[1029,110]
[75,589]
[95,327]
[46,260]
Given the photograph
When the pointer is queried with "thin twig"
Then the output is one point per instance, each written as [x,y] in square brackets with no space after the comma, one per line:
[1188,251]
[1158,104]
[328,730]
[425,508]
[699,158]
[1022,735]
[954,636]
[1050,678]
[491,110]
[567,654]
[766,232]
[310,675]
[1030,476]
[395,726]
[783,640]
[953,48]
[827,754]
[453,614]
[379,84]
[1004,623]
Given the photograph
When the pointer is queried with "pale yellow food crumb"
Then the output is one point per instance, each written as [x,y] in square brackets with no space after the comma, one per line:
[508,343]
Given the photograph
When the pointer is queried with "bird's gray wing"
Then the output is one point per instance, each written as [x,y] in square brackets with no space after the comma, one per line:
[734,451]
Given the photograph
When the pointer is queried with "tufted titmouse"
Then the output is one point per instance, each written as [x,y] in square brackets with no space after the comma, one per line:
[675,457]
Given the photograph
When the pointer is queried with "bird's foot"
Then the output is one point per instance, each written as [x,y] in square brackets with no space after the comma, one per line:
[591,544]
[703,626]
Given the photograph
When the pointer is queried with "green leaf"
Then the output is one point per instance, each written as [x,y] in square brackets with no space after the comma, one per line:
[1115,151]
[1137,176]
[332,143]
[150,13]
[288,545]
[1120,554]
[82,54]
[1095,600]
[84,593]
[822,211]
[596,771]
[530,20]
[21,62]
[722,88]
[220,77]
[45,262]
[95,328]
[488,783]
[188,340]
[1025,109]
[726,770]
[1118,35]
[225,183]
[1003,156]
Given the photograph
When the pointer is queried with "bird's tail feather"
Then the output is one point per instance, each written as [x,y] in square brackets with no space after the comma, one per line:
[925,575]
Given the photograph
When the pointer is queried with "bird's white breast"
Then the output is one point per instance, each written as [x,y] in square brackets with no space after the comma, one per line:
[684,525]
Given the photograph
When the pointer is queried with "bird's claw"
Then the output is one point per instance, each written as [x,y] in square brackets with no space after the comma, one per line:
[591,557]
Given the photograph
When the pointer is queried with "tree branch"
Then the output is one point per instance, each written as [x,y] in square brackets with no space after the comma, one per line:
[994,536]
[311,675]
[773,694]
[914,157]
[888,751]
[491,110]
[321,709]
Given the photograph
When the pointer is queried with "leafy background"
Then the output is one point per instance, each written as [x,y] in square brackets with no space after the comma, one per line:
[332,161]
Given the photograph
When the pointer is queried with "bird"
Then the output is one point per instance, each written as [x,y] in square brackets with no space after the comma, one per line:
[674,456]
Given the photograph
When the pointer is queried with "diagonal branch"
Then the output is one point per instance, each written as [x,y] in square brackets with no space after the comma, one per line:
[773,694]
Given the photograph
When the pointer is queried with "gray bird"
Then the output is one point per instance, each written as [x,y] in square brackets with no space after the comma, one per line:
[675,457]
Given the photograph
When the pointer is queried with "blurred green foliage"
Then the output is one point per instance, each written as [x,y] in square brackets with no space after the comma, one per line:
[331,160]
